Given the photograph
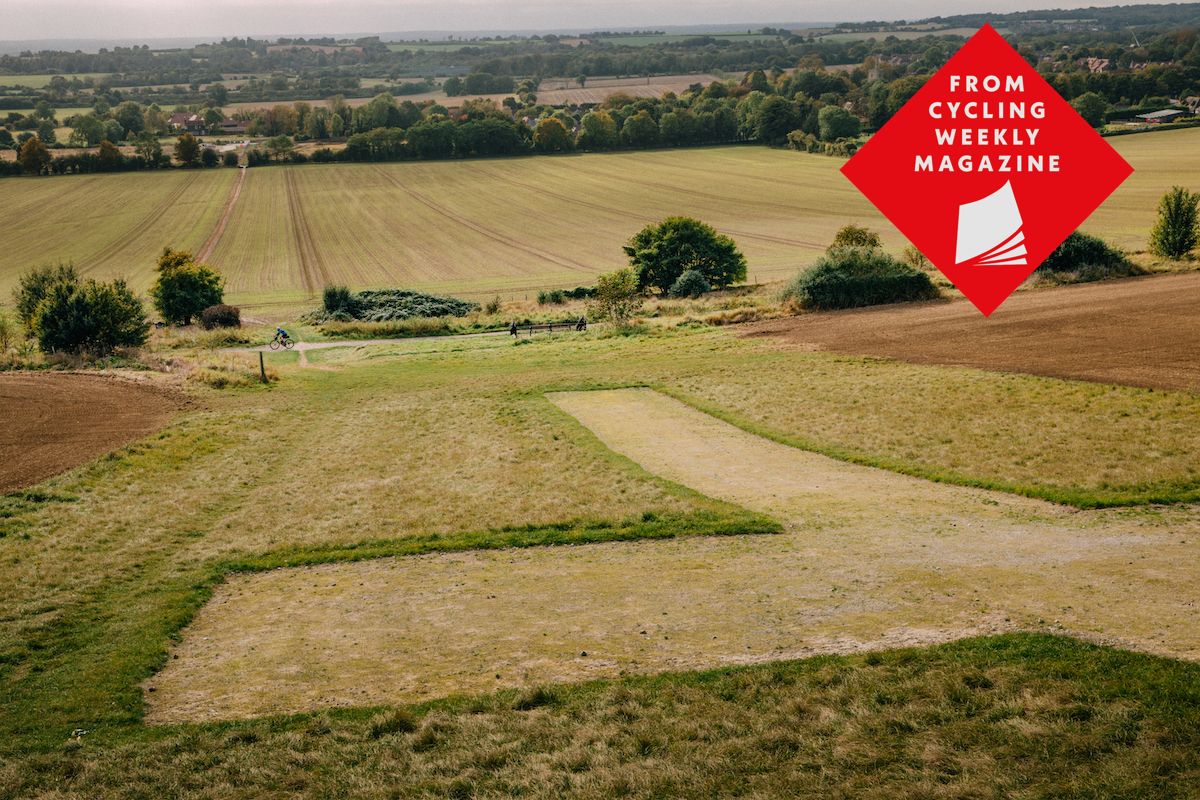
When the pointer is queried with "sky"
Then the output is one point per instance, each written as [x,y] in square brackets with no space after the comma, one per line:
[134,20]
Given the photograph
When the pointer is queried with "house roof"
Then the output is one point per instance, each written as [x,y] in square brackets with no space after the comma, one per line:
[1166,113]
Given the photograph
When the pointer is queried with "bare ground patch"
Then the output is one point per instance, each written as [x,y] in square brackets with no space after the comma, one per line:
[55,421]
[871,559]
[1137,332]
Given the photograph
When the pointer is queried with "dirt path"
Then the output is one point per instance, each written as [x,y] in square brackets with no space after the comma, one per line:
[1139,332]
[55,421]
[870,559]
[215,237]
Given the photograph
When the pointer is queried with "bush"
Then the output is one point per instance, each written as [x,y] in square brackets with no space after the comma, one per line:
[230,159]
[33,286]
[618,297]
[554,297]
[386,305]
[1082,258]
[659,254]
[1177,230]
[690,284]
[851,277]
[492,306]
[337,299]
[89,317]
[184,288]
[855,236]
[220,316]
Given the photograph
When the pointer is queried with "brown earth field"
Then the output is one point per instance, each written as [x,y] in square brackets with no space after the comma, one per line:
[55,421]
[1138,332]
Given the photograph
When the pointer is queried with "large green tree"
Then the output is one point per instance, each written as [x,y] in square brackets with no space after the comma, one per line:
[835,122]
[184,288]
[660,253]
[33,286]
[89,317]
[1177,231]
[187,150]
[551,136]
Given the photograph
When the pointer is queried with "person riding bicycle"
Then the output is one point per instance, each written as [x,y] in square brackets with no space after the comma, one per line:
[281,334]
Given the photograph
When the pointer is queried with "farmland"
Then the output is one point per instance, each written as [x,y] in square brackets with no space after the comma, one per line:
[486,227]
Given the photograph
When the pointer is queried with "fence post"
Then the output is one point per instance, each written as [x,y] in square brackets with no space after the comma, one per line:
[262,367]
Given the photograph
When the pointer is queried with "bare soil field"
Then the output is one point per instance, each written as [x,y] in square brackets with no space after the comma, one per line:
[1137,332]
[55,421]
[869,559]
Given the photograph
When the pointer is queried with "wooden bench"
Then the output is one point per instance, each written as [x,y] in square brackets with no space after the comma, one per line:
[549,327]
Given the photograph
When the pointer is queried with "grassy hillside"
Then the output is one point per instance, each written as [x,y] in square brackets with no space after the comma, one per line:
[507,226]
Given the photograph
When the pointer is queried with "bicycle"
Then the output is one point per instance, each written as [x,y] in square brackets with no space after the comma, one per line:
[286,342]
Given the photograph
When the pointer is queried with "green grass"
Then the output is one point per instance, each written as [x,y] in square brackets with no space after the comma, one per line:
[42,81]
[1008,716]
[463,228]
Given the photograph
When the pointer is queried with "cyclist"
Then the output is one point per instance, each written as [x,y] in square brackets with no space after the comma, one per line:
[281,335]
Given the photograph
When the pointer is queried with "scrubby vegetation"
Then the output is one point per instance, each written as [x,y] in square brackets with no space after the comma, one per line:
[67,314]
[618,298]
[1177,231]
[691,283]
[1082,258]
[852,277]
[220,316]
[386,305]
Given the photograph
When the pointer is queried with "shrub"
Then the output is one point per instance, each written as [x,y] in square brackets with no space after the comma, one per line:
[660,253]
[338,299]
[220,316]
[555,297]
[230,159]
[89,317]
[33,286]
[851,277]
[580,293]
[1082,258]
[915,259]
[855,236]
[1177,230]
[184,288]
[691,283]
[492,306]
[618,297]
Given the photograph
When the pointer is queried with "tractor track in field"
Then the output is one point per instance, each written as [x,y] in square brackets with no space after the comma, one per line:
[312,265]
[214,238]
[111,250]
[485,231]
[633,215]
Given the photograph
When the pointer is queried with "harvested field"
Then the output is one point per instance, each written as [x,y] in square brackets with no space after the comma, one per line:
[870,559]
[482,227]
[54,421]
[1137,332]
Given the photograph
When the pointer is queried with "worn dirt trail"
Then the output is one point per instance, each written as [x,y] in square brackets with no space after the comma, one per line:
[870,559]
[214,238]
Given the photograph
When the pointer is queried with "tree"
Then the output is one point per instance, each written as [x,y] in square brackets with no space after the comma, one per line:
[640,130]
[33,286]
[89,317]
[149,148]
[1092,107]
[187,150]
[660,254]
[598,131]
[690,284]
[33,157]
[617,297]
[337,126]
[280,147]
[88,132]
[855,236]
[551,136]
[1177,231]
[110,157]
[209,158]
[835,122]
[218,94]
[776,118]
[129,115]
[184,288]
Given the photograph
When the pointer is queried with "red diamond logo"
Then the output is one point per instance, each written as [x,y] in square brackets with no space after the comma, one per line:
[987,169]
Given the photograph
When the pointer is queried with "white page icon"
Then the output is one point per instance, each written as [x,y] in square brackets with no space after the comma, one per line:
[990,231]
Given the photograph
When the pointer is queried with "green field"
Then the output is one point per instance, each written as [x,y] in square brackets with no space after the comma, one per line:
[669,38]
[42,81]
[507,226]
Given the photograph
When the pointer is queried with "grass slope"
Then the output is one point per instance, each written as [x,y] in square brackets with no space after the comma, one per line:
[508,226]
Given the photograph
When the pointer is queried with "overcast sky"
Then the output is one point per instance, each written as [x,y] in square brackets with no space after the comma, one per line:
[135,19]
